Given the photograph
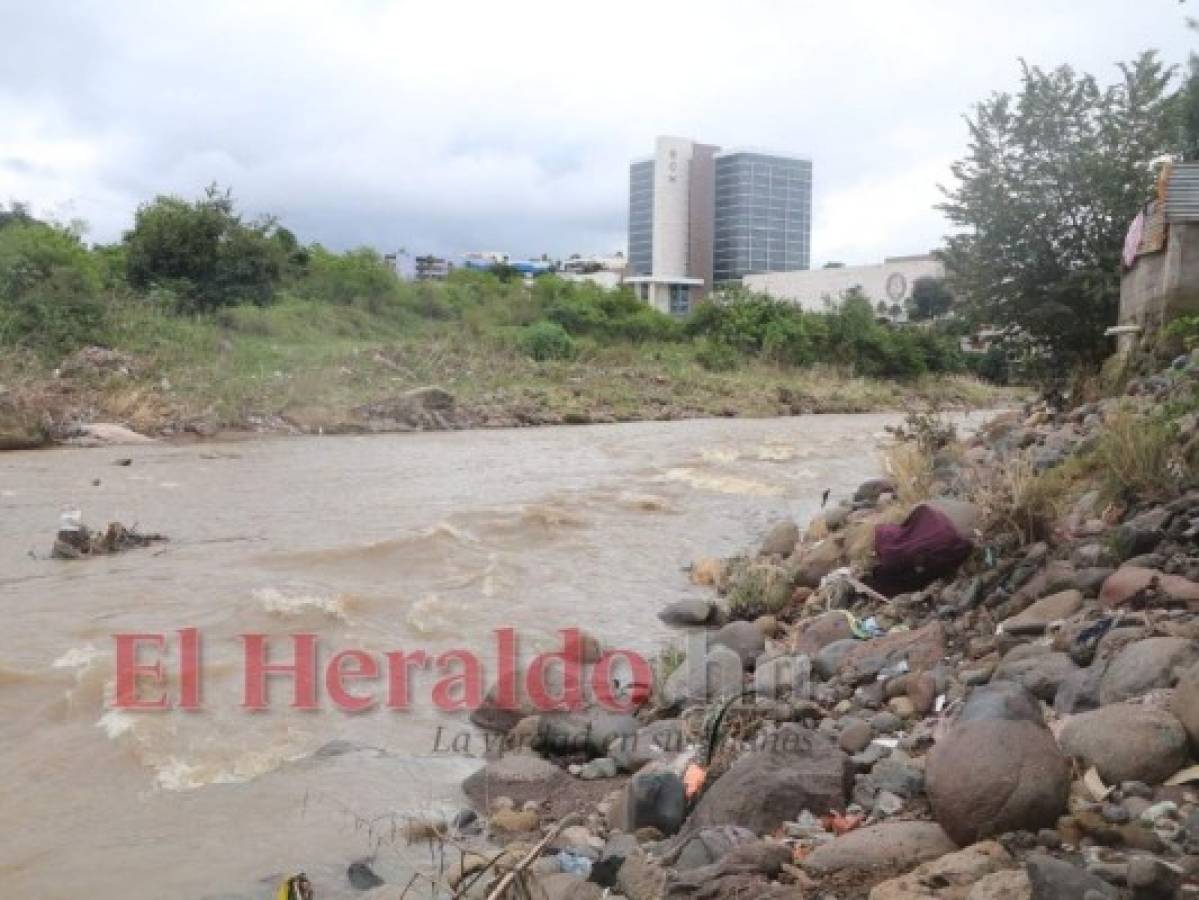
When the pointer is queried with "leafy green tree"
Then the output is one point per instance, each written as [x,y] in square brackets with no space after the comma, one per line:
[204,251]
[930,298]
[17,213]
[1050,182]
[1186,112]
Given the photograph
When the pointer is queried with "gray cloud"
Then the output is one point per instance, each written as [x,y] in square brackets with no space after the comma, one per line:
[454,126]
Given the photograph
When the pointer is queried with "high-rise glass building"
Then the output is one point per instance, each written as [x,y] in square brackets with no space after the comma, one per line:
[699,217]
[641,217]
[763,216]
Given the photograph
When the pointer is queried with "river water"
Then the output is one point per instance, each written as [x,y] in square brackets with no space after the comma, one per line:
[381,543]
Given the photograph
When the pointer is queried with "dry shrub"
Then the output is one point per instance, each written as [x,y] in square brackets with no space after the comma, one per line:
[1086,386]
[1017,500]
[758,589]
[1138,455]
[422,830]
[817,530]
[911,468]
[707,571]
[670,657]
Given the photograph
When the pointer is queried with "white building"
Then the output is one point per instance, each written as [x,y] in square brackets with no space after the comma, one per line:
[604,278]
[815,289]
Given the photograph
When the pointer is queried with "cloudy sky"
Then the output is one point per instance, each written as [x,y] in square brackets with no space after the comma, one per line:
[449,126]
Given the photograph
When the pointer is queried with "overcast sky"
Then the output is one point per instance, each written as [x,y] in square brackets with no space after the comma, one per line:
[443,126]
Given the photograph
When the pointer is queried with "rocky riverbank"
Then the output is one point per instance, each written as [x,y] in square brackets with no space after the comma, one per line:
[976,678]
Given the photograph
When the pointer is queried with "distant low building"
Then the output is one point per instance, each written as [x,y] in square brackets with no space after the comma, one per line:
[888,283]
[401,264]
[585,265]
[601,277]
[432,268]
[484,260]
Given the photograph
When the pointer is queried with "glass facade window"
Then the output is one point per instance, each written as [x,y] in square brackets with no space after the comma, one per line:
[641,217]
[763,219]
[680,299]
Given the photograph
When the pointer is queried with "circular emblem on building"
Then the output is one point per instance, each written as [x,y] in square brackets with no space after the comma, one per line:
[897,286]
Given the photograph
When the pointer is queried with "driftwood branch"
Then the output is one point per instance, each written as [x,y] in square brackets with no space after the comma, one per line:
[509,877]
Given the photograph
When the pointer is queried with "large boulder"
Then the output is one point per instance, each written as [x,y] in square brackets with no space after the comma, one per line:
[561,886]
[1140,535]
[992,775]
[831,658]
[1185,705]
[1124,585]
[889,846]
[922,649]
[105,434]
[1055,879]
[711,845]
[780,540]
[743,638]
[964,515]
[521,776]
[685,613]
[796,769]
[655,798]
[955,872]
[1001,700]
[809,566]
[1126,742]
[783,676]
[1145,666]
[605,727]
[1040,673]
[423,407]
[1037,617]
[872,488]
[496,714]
[814,634]
[719,674]
[656,741]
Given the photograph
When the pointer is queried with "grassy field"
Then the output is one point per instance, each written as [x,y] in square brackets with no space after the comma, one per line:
[308,366]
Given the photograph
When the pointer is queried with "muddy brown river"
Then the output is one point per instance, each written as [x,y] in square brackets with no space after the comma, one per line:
[381,543]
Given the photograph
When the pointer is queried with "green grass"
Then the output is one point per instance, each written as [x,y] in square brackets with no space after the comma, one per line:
[317,361]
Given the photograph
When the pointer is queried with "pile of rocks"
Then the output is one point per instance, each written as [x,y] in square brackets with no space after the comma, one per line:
[1022,722]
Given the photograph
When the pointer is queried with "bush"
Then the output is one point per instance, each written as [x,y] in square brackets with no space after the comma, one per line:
[49,289]
[608,315]
[992,366]
[356,277]
[849,335]
[716,356]
[547,340]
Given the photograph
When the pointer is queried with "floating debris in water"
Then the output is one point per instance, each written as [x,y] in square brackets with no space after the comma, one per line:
[76,541]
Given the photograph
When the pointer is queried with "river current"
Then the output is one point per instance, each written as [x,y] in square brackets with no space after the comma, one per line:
[381,543]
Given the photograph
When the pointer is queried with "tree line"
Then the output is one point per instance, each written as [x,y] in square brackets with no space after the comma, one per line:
[1053,174]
